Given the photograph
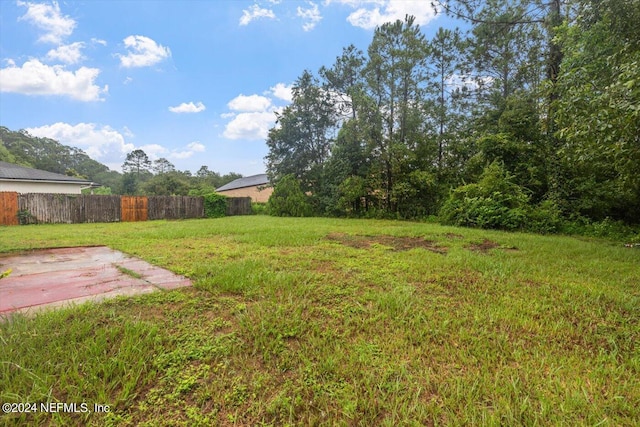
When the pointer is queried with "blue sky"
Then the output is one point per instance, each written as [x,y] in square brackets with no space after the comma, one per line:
[196,82]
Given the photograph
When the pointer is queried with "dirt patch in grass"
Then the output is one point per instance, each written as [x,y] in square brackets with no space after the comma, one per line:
[398,243]
[454,236]
[485,246]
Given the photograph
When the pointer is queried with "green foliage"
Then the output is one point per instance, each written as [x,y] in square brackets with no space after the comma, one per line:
[288,199]
[25,217]
[598,114]
[259,208]
[129,183]
[100,190]
[545,218]
[170,183]
[201,190]
[215,205]
[136,162]
[352,192]
[494,202]
[301,143]
[607,228]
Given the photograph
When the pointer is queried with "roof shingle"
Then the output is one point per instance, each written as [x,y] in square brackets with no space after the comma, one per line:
[10,171]
[248,181]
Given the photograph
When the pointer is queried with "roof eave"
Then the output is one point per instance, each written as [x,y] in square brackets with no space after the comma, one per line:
[49,181]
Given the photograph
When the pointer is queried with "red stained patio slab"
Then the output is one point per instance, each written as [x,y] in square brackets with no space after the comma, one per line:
[54,277]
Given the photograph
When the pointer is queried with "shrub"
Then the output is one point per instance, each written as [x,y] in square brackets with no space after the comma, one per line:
[546,218]
[288,199]
[215,205]
[493,202]
[259,208]
[607,228]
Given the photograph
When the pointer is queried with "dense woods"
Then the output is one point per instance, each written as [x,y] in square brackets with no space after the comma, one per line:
[530,119]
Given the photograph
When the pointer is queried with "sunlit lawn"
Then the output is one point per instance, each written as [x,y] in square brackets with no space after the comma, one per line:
[337,322]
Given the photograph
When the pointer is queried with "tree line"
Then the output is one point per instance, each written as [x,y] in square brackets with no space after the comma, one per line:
[160,177]
[140,176]
[529,119]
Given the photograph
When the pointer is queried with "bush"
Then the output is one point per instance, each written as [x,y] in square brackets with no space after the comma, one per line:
[259,208]
[607,228]
[215,205]
[546,218]
[288,199]
[494,202]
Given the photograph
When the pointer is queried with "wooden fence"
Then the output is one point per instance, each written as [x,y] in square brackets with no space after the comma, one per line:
[40,208]
[67,208]
[160,207]
[35,208]
[8,208]
[238,206]
[134,208]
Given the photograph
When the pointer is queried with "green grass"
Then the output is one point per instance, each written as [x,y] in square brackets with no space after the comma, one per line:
[309,321]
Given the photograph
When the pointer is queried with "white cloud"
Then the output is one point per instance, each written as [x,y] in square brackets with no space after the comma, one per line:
[127,132]
[98,41]
[282,91]
[255,12]
[143,52]
[460,81]
[101,143]
[373,13]
[253,115]
[69,54]
[311,16]
[252,126]
[154,151]
[196,146]
[188,108]
[355,3]
[36,78]
[251,103]
[192,148]
[49,19]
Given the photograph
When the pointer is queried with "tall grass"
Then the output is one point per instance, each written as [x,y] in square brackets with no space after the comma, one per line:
[287,326]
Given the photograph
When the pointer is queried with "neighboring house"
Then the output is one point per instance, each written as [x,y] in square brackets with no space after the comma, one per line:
[256,187]
[27,180]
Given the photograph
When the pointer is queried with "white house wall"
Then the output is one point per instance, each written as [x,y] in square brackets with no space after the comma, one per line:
[41,187]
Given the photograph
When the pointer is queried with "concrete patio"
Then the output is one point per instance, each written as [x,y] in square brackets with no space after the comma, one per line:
[54,277]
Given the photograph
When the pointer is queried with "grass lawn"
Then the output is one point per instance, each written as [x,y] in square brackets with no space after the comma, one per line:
[317,321]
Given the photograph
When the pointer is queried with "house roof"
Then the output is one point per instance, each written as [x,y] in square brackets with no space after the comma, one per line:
[248,181]
[12,172]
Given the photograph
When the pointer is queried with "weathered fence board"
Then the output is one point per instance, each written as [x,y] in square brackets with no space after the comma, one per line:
[133,208]
[101,208]
[8,208]
[69,208]
[46,208]
[175,207]
[238,206]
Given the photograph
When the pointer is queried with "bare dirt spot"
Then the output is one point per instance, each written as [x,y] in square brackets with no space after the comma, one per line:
[454,236]
[398,243]
[485,246]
